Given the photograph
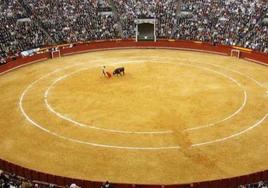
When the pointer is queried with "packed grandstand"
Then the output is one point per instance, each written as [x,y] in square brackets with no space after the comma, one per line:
[28,24]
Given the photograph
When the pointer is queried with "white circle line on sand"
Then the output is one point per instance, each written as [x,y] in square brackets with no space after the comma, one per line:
[230,115]
[51,109]
[245,75]
[121,147]
[80,141]
[225,119]
[233,135]
[75,140]
[28,118]
[46,94]
[124,147]
[85,125]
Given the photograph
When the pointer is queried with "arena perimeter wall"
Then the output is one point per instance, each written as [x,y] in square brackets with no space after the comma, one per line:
[117,44]
[68,49]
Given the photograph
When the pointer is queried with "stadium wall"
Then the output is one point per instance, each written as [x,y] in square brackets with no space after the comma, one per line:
[70,49]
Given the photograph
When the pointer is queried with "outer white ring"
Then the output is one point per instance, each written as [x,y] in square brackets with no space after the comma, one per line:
[119,147]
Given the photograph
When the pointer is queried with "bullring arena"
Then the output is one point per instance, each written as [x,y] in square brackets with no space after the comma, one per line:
[176,117]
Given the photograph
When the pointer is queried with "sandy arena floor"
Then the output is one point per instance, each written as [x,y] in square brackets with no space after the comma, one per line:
[175,117]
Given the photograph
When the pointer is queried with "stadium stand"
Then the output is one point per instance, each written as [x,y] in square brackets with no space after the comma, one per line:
[260,184]
[18,32]
[8,180]
[163,11]
[30,24]
[258,38]
[72,21]
[224,22]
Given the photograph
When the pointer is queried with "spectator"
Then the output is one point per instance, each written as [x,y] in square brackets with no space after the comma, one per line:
[106,185]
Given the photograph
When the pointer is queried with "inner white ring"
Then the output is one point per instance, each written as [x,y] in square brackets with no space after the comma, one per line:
[77,123]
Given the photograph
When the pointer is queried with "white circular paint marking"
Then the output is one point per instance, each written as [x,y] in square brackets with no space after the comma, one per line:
[51,109]
[124,147]
[245,75]
[225,119]
[28,118]
[229,116]
[120,147]
[85,125]
[91,126]
[233,135]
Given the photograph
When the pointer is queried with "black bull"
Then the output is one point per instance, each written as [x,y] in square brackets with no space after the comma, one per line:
[119,70]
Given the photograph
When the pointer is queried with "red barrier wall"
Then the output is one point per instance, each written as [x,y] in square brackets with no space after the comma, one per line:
[102,45]
[21,61]
[184,45]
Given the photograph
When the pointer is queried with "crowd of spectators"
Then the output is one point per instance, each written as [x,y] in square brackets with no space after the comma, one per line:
[8,180]
[260,184]
[258,38]
[164,11]
[43,22]
[18,32]
[68,21]
[226,22]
